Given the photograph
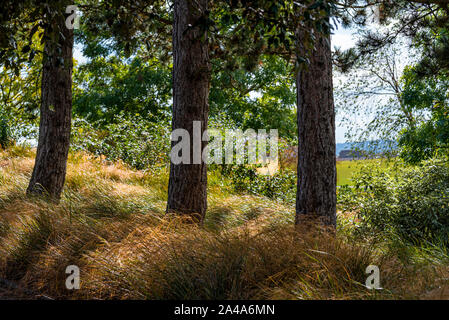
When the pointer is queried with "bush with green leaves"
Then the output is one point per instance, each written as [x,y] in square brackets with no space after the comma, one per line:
[16,128]
[427,140]
[346,198]
[136,141]
[244,178]
[410,202]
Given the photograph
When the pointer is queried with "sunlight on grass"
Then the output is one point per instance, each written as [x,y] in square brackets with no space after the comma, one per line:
[346,168]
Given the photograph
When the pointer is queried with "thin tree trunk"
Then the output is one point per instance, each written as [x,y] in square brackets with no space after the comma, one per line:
[55,119]
[317,179]
[191,81]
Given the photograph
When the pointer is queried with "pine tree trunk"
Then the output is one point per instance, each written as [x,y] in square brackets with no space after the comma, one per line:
[317,180]
[55,115]
[191,81]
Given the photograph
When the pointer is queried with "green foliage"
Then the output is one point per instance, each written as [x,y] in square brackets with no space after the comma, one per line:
[434,43]
[105,87]
[244,31]
[423,93]
[128,25]
[430,136]
[20,96]
[426,141]
[347,200]
[411,202]
[259,99]
[134,140]
[21,22]
[244,178]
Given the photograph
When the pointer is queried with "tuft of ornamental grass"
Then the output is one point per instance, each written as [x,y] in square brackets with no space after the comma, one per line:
[177,261]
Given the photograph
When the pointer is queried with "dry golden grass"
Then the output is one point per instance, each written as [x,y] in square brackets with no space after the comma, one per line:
[111,223]
[171,261]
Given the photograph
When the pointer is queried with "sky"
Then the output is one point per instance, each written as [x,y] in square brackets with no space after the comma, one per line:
[342,38]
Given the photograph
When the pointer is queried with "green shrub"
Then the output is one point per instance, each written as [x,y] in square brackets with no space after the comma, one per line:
[346,198]
[411,202]
[140,143]
[244,178]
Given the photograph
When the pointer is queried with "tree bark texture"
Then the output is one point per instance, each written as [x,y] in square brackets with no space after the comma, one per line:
[55,114]
[317,179]
[191,81]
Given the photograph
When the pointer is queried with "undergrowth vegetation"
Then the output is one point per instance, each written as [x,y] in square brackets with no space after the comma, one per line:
[244,178]
[411,202]
[110,223]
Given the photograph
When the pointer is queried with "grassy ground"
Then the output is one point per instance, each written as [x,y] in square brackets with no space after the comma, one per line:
[346,168]
[111,224]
